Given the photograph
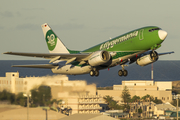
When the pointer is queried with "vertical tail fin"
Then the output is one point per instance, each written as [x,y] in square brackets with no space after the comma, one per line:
[53,42]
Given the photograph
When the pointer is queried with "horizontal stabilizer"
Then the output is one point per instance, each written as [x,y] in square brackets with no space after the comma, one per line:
[47,66]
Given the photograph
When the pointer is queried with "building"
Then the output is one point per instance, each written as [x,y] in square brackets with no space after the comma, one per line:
[81,98]
[174,114]
[150,109]
[15,84]
[76,95]
[159,109]
[160,89]
[116,113]
[146,107]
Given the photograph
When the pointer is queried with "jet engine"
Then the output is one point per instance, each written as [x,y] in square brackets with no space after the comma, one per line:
[99,58]
[147,59]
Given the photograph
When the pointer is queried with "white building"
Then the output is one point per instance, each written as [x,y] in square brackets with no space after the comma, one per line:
[15,84]
[77,95]
[160,89]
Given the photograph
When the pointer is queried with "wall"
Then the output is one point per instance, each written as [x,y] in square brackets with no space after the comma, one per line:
[141,88]
[162,85]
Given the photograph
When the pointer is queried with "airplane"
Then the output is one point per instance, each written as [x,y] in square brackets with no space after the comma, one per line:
[135,46]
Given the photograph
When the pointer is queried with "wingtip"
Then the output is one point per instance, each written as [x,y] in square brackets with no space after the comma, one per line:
[171,52]
[7,52]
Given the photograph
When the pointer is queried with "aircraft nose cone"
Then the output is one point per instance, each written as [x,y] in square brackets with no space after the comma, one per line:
[162,34]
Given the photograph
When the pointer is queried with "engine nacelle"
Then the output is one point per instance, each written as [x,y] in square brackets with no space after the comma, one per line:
[99,58]
[147,59]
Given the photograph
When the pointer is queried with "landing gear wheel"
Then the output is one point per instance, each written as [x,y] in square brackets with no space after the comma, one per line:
[96,73]
[92,73]
[125,73]
[120,73]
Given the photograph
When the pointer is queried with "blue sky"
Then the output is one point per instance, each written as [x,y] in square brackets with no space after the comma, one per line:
[82,24]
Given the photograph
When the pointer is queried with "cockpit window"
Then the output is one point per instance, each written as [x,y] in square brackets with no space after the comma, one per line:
[151,30]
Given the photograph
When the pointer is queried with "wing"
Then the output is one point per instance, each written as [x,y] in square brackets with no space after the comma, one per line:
[165,53]
[47,66]
[54,56]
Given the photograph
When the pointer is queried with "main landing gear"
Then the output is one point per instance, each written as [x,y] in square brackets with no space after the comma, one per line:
[94,73]
[123,72]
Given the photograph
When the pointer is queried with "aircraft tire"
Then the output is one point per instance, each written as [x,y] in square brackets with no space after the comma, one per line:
[96,73]
[125,73]
[120,73]
[92,73]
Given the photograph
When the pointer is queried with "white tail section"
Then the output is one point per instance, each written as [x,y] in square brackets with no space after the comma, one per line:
[53,42]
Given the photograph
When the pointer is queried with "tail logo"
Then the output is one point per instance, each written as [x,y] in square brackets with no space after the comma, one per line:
[51,40]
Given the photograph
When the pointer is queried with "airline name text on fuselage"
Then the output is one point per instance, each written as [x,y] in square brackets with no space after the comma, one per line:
[110,44]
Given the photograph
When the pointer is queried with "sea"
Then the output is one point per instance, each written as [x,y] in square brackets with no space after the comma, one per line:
[162,71]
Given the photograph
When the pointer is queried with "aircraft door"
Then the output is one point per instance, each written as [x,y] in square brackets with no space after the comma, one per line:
[141,37]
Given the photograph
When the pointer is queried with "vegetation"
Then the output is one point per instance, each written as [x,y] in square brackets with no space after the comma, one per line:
[21,99]
[105,88]
[139,110]
[135,99]
[41,96]
[126,95]
[126,98]
[157,101]
[147,98]
[107,99]
[18,99]
[6,96]
[112,104]
[174,102]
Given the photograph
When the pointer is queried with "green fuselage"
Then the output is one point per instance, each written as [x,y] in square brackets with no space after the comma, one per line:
[142,39]
[124,47]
